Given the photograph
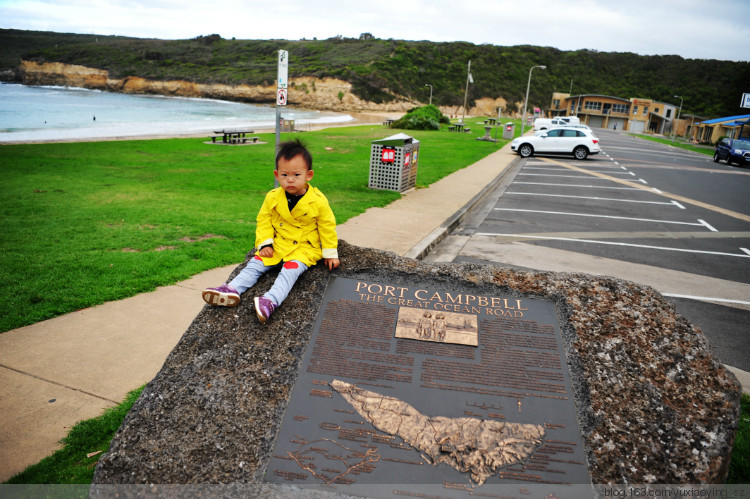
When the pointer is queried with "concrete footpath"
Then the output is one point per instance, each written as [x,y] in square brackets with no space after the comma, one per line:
[63,370]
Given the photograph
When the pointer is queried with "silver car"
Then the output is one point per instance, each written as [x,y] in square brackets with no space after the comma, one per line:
[578,142]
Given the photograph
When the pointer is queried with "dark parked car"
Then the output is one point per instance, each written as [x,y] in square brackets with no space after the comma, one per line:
[733,151]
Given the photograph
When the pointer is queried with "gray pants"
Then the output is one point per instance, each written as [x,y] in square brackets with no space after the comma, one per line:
[290,272]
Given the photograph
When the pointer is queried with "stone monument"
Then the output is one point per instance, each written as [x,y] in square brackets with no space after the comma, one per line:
[390,377]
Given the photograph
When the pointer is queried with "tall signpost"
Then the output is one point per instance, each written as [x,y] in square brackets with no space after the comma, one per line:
[281,95]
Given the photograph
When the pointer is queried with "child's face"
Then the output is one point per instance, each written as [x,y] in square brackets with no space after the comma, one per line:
[293,175]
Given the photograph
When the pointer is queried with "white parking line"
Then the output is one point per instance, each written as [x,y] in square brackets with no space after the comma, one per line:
[717,209]
[678,204]
[707,298]
[595,198]
[560,169]
[611,243]
[589,186]
[550,175]
[746,250]
[600,216]
[703,222]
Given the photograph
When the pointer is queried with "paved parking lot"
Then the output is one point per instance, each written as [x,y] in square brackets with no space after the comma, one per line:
[644,212]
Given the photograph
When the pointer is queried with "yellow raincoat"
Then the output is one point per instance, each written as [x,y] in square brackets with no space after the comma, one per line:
[307,235]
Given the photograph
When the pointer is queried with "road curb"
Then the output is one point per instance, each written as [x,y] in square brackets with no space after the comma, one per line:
[420,250]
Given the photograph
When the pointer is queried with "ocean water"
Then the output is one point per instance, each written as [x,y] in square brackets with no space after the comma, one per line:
[63,113]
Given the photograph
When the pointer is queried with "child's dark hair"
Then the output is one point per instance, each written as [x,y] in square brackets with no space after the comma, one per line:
[292,148]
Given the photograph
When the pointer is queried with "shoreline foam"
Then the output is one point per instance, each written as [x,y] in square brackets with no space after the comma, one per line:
[357,119]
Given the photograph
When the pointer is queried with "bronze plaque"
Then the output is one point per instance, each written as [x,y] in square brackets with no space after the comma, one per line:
[422,391]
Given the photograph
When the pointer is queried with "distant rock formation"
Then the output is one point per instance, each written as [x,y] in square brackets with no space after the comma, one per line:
[323,94]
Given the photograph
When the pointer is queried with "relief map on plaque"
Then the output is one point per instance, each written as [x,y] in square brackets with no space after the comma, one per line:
[424,391]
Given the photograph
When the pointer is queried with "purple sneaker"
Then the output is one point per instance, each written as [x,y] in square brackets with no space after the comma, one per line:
[264,308]
[222,296]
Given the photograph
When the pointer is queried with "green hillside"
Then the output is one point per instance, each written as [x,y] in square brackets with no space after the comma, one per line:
[380,69]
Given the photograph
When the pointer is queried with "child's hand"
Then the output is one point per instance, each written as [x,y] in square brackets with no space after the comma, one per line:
[266,252]
[332,263]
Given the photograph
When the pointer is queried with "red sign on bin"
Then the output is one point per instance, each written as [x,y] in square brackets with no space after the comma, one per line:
[389,155]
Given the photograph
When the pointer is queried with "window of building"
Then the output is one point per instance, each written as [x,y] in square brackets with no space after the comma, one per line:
[656,110]
[645,110]
[592,106]
[621,108]
[556,103]
[635,109]
[669,113]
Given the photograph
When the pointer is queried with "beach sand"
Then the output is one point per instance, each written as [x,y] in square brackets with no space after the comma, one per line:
[358,119]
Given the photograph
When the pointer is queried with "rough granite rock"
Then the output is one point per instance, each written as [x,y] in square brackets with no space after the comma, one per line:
[654,404]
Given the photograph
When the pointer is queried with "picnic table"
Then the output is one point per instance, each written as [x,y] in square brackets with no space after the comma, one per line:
[458,127]
[388,122]
[234,136]
[490,121]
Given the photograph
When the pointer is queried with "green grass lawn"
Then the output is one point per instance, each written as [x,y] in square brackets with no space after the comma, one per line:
[91,222]
[679,143]
[84,223]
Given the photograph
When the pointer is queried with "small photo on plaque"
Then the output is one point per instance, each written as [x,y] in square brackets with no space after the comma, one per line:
[438,326]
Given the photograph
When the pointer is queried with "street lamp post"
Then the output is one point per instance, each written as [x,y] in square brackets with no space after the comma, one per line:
[674,128]
[428,85]
[526,100]
[469,79]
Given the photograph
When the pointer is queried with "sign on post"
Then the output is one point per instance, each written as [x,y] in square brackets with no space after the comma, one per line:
[745,100]
[283,78]
[283,69]
[281,95]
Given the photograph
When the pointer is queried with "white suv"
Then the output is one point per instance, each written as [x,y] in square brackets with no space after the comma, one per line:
[576,141]
[581,127]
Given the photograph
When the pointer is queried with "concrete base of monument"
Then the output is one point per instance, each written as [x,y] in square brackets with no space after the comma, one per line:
[392,377]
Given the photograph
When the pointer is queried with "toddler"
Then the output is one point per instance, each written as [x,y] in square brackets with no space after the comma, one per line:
[296,228]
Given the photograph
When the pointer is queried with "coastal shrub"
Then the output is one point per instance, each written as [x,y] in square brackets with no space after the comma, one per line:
[422,118]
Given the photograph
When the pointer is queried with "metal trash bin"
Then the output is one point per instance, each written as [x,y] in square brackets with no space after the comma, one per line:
[393,163]
[509,130]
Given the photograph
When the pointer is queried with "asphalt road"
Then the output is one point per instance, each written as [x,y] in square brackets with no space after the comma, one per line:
[641,211]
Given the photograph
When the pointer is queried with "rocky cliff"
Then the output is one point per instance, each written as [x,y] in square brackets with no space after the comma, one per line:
[308,92]
[323,94]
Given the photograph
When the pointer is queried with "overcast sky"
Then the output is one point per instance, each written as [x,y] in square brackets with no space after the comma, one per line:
[694,29]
